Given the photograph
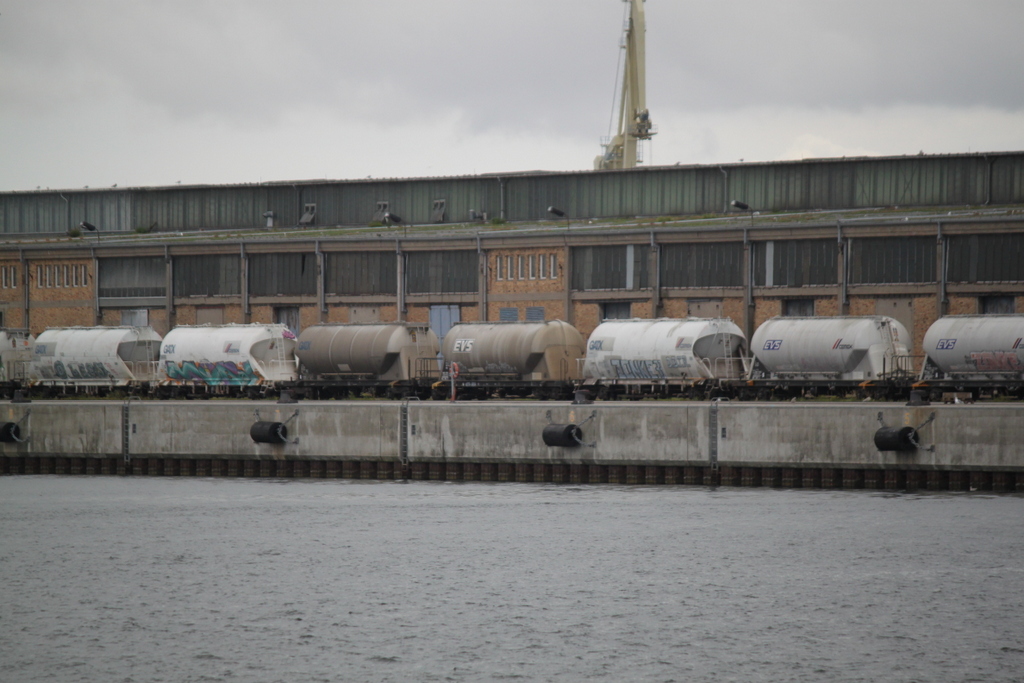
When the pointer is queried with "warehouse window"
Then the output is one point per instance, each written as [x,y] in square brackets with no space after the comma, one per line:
[135,317]
[14,277]
[497,269]
[3,276]
[535,314]
[508,267]
[542,266]
[616,310]
[520,274]
[997,305]
[508,314]
[533,266]
[49,276]
[74,276]
[798,307]
[553,266]
[67,282]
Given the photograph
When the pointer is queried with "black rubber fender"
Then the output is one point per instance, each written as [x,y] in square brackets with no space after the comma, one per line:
[10,432]
[896,439]
[269,432]
[566,436]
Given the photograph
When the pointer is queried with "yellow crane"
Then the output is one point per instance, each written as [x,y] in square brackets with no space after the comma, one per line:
[634,119]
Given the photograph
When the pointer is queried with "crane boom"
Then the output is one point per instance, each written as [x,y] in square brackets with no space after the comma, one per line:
[634,119]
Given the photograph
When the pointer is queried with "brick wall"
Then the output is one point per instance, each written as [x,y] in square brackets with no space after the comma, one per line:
[515,284]
[553,310]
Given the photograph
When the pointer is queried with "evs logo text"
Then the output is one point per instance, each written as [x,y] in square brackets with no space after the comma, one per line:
[773,345]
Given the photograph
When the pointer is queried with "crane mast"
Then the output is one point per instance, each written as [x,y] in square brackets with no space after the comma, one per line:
[634,119]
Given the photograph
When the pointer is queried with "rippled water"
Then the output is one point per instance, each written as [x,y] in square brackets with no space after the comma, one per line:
[136,579]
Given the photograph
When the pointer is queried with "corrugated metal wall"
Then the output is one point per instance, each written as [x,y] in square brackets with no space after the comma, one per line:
[610,267]
[686,190]
[286,274]
[715,264]
[133,277]
[892,260]
[795,263]
[441,272]
[354,273]
[207,275]
[986,258]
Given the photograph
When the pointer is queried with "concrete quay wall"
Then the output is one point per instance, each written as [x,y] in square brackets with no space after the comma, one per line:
[644,442]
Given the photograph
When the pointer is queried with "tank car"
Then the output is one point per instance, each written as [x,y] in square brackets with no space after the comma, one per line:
[227,358]
[664,356]
[15,355]
[91,358]
[831,351]
[383,358]
[975,351]
[513,358]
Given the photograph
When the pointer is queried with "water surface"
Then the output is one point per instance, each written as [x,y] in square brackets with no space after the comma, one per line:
[166,579]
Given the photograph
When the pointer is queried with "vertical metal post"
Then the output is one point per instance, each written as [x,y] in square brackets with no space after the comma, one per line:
[713,434]
[400,285]
[243,272]
[403,434]
[654,269]
[169,281]
[125,433]
[943,266]
[321,299]
[95,288]
[483,281]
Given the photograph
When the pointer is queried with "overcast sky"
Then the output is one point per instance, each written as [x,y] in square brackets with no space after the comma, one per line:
[141,92]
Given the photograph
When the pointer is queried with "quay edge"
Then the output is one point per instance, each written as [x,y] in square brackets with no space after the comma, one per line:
[811,444]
